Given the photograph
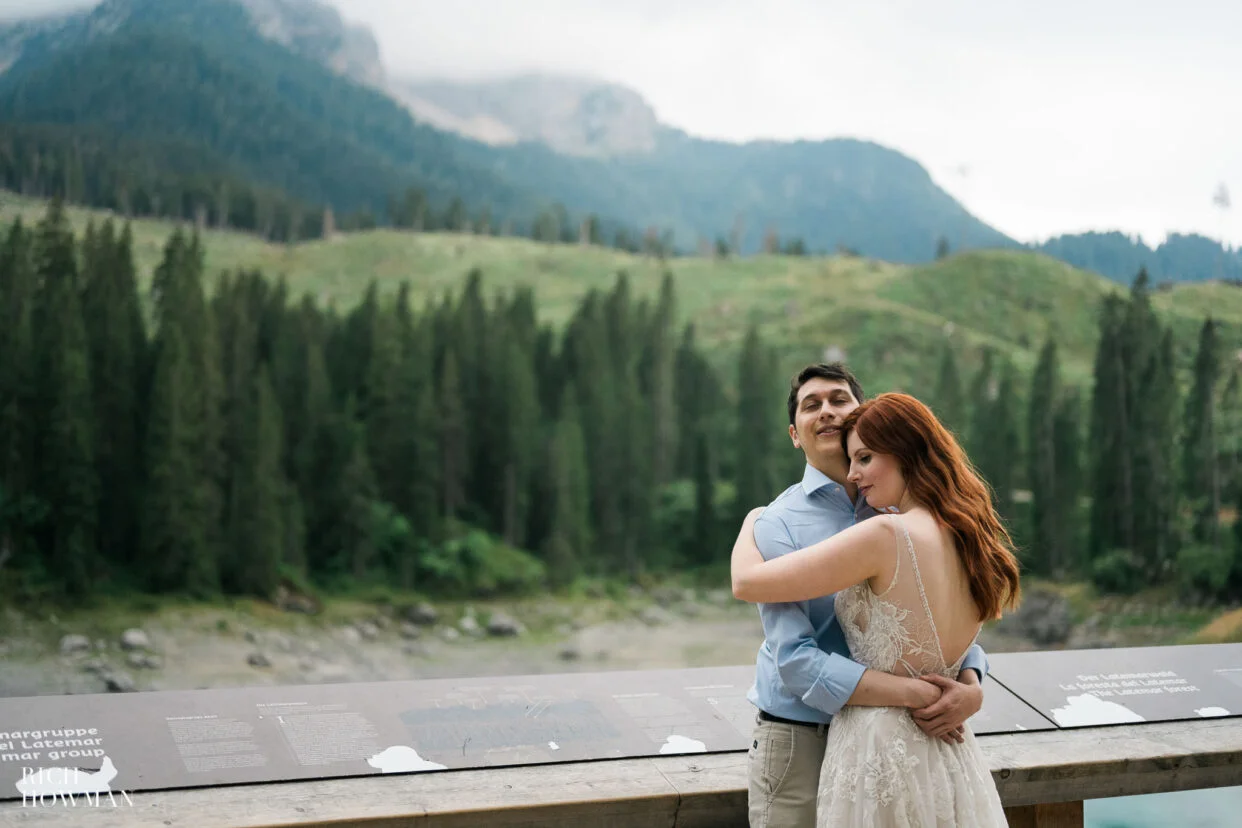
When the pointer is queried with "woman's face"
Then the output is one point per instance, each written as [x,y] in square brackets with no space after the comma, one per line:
[877,476]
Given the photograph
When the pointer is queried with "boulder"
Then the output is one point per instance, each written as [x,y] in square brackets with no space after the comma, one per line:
[74,643]
[1044,618]
[422,614]
[502,626]
[119,682]
[470,625]
[258,659]
[135,639]
[409,631]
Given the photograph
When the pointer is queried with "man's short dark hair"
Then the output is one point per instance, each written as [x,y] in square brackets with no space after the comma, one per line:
[823,370]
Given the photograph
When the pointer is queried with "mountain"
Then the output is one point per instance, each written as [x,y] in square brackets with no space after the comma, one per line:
[1180,258]
[598,146]
[573,116]
[130,75]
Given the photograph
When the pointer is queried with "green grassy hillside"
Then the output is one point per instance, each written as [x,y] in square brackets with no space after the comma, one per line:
[891,321]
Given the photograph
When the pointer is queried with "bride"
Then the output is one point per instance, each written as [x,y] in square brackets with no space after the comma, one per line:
[913,589]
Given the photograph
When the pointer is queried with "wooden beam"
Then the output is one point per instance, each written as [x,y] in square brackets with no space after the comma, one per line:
[1050,815]
[1031,769]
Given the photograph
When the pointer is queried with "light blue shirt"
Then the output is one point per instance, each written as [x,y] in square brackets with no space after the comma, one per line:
[804,671]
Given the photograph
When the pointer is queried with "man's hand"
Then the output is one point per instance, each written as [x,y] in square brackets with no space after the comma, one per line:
[959,700]
[922,694]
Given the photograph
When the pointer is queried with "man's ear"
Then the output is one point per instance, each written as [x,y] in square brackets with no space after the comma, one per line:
[793,435]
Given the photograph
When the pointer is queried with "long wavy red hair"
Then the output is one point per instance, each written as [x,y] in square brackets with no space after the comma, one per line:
[939,475]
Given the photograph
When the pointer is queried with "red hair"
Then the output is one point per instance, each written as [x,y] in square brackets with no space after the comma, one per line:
[939,475]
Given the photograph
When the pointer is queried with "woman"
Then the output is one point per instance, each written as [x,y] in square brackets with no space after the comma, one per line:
[913,589]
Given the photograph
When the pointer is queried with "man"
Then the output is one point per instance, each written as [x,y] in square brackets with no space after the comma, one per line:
[803,670]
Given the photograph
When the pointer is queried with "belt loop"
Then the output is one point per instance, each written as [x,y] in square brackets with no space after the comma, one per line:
[820,728]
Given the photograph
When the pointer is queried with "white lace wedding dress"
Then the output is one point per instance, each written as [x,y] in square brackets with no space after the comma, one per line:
[879,768]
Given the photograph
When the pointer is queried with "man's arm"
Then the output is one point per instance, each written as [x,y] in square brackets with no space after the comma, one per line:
[959,701]
[823,680]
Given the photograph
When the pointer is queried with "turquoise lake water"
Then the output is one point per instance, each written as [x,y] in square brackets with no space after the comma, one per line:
[1211,808]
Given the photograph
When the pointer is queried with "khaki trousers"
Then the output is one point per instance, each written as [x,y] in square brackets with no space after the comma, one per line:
[783,766]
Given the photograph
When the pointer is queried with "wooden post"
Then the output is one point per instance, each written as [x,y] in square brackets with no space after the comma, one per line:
[1048,815]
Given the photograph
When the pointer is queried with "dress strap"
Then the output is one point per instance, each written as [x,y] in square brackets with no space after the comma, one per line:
[896,569]
[918,580]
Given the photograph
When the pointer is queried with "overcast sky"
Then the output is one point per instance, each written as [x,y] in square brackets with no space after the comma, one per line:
[1067,114]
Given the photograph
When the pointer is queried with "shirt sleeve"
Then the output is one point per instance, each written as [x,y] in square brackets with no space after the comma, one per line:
[821,679]
[976,659]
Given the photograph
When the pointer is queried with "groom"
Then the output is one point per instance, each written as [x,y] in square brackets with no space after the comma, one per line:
[803,671]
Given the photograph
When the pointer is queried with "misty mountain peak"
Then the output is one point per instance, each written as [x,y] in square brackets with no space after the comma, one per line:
[572,115]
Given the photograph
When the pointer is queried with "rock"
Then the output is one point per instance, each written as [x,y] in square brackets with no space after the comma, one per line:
[368,631]
[74,644]
[422,614]
[470,625]
[119,682]
[690,610]
[1044,618]
[143,661]
[416,650]
[307,665]
[94,665]
[351,635]
[409,630]
[502,626]
[449,633]
[258,659]
[380,621]
[135,639]
[280,641]
[251,636]
[569,654]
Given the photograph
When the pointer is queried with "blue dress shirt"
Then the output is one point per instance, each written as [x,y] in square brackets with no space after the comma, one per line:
[803,670]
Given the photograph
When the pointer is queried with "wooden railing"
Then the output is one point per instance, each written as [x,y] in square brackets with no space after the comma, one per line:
[1043,778]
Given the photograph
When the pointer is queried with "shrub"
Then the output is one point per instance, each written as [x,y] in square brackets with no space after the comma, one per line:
[1118,571]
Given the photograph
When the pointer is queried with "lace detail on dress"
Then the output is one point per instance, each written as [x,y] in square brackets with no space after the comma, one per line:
[879,768]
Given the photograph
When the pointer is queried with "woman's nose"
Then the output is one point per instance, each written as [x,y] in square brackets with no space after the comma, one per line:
[853,476]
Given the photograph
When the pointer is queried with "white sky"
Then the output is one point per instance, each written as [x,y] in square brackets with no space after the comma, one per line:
[1069,115]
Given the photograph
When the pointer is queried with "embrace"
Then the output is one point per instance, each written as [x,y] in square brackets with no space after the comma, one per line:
[873,577]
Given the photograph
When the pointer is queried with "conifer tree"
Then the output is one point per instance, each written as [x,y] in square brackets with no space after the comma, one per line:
[65,475]
[1046,517]
[950,404]
[568,542]
[753,473]
[1201,473]
[1067,439]
[116,332]
[258,519]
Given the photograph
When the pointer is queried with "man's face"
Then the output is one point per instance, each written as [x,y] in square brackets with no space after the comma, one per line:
[822,405]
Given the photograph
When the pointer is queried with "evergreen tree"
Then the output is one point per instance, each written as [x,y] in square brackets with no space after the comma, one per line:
[17,298]
[950,403]
[1046,517]
[1112,500]
[1154,461]
[454,448]
[704,537]
[117,336]
[258,518]
[753,473]
[1067,457]
[66,476]
[568,542]
[999,445]
[1201,473]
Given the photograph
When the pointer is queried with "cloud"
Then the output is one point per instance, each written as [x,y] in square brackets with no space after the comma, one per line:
[1069,116]
[19,9]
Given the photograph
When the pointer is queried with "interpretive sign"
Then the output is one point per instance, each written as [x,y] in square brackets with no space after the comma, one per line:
[1084,688]
[158,740]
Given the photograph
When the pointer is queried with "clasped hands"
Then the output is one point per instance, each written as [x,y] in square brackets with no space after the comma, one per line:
[944,706]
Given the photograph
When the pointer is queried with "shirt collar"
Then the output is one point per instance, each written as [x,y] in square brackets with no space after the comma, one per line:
[813,480]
